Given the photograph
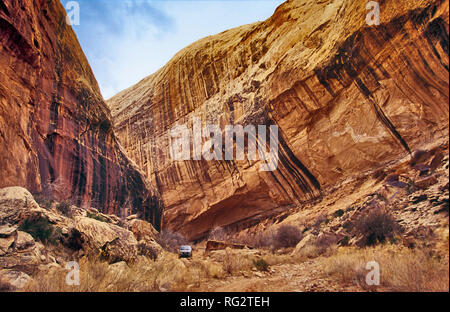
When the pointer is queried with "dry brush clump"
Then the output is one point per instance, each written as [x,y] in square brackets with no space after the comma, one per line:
[170,240]
[287,236]
[261,265]
[65,208]
[95,276]
[41,229]
[401,269]
[378,226]
[234,263]
[261,240]
[168,273]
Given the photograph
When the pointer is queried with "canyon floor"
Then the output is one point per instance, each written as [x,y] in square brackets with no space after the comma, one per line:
[402,226]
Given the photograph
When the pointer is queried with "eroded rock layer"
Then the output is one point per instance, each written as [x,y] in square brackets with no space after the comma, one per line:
[347,97]
[56,135]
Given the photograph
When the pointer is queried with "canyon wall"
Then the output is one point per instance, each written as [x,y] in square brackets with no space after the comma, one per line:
[56,134]
[347,97]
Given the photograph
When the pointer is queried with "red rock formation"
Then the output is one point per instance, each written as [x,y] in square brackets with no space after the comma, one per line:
[347,98]
[56,135]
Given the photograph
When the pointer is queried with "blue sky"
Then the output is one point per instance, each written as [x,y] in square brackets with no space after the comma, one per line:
[127,40]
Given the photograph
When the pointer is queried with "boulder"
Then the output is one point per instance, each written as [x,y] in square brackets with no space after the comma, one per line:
[7,230]
[308,239]
[114,243]
[132,217]
[13,280]
[5,244]
[23,241]
[149,248]
[16,204]
[426,182]
[142,229]
[27,260]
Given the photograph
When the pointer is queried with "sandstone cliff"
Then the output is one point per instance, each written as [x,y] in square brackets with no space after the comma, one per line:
[56,135]
[347,97]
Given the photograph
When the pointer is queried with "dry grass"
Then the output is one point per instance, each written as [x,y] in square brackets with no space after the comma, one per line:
[401,269]
[168,273]
[235,263]
[313,251]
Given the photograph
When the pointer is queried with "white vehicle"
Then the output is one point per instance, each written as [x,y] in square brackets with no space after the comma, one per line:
[185,252]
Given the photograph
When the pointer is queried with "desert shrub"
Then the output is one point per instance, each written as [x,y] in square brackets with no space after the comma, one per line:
[170,240]
[43,201]
[65,209]
[96,217]
[377,227]
[324,242]
[320,219]
[258,240]
[218,234]
[338,213]
[348,225]
[344,241]
[261,265]
[287,236]
[41,229]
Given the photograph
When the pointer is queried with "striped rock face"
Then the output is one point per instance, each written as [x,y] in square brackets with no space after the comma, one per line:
[347,97]
[56,133]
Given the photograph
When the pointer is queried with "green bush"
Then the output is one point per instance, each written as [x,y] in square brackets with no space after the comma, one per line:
[338,213]
[65,209]
[261,265]
[41,229]
[96,217]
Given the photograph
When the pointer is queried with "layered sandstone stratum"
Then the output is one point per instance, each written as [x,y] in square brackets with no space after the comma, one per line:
[348,98]
[56,134]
